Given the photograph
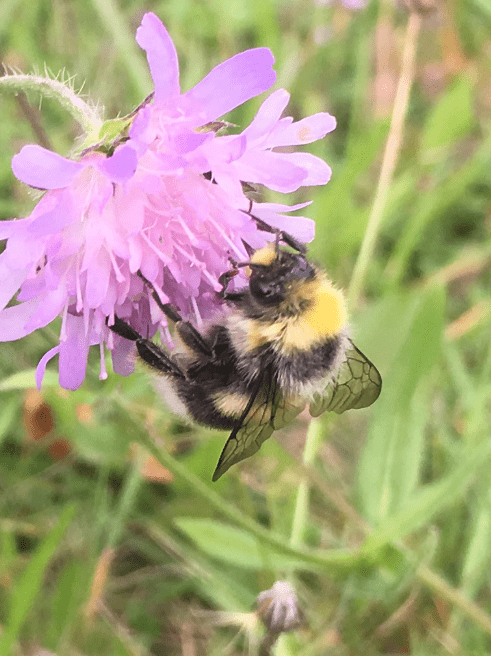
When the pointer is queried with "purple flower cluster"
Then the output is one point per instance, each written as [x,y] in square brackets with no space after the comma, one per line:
[167,202]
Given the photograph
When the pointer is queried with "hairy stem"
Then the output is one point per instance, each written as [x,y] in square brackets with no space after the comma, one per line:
[84,114]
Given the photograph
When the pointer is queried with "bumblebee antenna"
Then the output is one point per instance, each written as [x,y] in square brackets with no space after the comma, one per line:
[281,235]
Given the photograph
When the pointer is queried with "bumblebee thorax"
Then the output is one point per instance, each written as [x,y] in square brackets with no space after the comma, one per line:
[311,312]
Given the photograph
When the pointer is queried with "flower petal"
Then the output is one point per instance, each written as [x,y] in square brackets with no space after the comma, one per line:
[318,172]
[9,228]
[278,171]
[152,37]
[55,219]
[13,320]
[299,227]
[73,353]
[305,131]
[140,131]
[97,278]
[186,142]
[43,169]
[41,368]
[51,304]
[355,4]
[123,356]
[121,166]
[231,83]
[268,115]
[11,279]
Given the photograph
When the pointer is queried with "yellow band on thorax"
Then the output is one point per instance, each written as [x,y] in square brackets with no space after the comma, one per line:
[325,316]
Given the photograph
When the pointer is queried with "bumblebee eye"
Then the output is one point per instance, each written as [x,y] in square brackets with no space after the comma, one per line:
[265,291]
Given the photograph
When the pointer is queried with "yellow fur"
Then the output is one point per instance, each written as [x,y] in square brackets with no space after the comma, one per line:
[325,316]
[230,405]
[266,255]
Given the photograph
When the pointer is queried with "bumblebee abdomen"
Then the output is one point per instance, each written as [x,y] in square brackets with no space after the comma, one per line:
[303,372]
[202,407]
[214,391]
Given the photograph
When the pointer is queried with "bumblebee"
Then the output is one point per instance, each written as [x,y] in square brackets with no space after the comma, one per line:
[283,345]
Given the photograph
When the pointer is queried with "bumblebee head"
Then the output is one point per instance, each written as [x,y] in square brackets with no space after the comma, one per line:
[273,273]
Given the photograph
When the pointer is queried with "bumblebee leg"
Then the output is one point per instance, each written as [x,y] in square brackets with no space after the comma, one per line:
[122,329]
[290,241]
[168,309]
[185,329]
[193,339]
[232,297]
[187,332]
[149,352]
[158,359]
[225,279]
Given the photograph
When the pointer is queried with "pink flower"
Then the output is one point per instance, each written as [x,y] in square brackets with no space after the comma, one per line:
[168,202]
[349,4]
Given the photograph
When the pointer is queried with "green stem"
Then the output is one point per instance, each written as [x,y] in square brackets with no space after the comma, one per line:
[127,501]
[391,154]
[301,511]
[444,590]
[331,561]
[312,442]
[85,115]
[335,560]
[116,24]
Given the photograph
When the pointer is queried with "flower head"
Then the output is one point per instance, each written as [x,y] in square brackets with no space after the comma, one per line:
[167,203]
[278,608]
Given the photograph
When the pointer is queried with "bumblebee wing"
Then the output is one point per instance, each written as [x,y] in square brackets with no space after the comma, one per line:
[266,411]
[357,384]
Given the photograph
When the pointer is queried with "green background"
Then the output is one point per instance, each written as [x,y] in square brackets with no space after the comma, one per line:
[386,530]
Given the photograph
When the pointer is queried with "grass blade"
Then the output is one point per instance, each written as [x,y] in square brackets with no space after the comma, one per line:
[30,582]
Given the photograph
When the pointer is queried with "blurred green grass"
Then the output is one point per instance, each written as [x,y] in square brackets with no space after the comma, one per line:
[96,558]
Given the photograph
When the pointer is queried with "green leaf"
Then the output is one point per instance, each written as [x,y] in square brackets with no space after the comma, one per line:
[8,550]
[382,328]
[432,205]
[477,557]
[127,500]
[452,116]
[68,596]
[26,380]
[431,499]
[8,417]
[391,460]
[234,545]
[28,587]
